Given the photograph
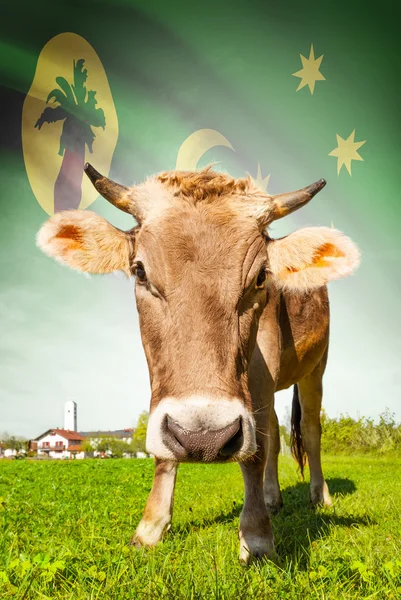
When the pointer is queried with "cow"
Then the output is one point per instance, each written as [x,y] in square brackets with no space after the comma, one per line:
[228,316]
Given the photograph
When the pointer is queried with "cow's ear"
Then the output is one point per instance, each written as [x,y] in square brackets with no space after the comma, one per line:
[311,257]
[85,241]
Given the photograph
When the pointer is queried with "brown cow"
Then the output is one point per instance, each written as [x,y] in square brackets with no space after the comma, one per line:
[228,316]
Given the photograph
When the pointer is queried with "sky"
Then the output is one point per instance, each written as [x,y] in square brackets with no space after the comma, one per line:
[172,71]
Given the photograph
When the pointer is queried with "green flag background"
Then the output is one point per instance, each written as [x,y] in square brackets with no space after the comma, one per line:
[175,68]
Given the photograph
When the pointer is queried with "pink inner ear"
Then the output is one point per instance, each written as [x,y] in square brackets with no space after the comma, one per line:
[321,258]
[324,252]
[311,257]
[71,233]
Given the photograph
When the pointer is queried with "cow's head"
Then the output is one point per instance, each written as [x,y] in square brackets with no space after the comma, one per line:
[204,267]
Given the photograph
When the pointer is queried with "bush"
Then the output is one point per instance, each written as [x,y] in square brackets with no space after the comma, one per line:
[138,443]
[361,435]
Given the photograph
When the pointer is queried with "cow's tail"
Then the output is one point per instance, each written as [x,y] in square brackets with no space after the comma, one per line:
[297,447]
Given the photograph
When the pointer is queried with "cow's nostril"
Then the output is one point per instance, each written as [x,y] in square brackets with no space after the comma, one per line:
[179,434]
[203,445]
[234,444]
[172,439]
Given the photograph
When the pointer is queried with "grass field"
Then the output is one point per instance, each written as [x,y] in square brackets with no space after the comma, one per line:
[65,528]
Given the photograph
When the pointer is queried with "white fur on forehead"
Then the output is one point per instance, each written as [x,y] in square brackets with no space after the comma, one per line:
[153,197]
[170,188]
[311,257]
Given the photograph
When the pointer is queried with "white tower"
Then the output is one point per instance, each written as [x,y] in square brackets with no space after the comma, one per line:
[70,415]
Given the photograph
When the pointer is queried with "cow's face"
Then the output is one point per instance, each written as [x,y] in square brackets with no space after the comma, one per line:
[204,271]
[200,289]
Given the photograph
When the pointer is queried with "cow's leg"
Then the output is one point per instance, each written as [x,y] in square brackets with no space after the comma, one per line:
[271,486]
[310,396]
[255,530]
[159,507]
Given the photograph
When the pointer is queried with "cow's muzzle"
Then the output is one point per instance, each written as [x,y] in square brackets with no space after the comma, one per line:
[203,445]
[201,429]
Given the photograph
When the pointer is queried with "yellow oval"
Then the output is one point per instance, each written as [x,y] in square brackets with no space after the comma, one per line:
[44,165]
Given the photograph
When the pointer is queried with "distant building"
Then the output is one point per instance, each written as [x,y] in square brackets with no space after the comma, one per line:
[59,443]
[12,448]
[95,437]
[9,453]
[70,416]
[124,435]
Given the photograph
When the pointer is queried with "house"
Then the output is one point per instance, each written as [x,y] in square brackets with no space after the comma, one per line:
[95,438]
[12,448]
[10,452]
[59,443]
[66,443]
[125,435]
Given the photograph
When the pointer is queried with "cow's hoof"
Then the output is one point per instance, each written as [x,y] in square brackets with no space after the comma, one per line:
[320,496]
[148,534]
[136,542]
[255,547]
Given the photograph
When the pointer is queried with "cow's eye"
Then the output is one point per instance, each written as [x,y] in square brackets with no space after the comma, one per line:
[261,277]
[140,273]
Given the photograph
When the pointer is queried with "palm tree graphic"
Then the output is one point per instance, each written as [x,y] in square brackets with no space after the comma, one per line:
[77,108]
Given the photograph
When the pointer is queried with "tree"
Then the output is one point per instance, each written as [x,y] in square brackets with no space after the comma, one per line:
[76,107]
[286,421]
[345,434]
[87,446]
[102,444]
[118,448]
[285,435]
[138,443]
[112,446]
[15,443]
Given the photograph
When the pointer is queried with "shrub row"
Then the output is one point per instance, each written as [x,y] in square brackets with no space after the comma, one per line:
[361,435]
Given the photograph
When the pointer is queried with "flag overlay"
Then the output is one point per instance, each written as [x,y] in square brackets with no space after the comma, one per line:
[287,92]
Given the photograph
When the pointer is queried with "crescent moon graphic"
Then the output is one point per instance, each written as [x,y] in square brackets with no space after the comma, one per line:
[195,146]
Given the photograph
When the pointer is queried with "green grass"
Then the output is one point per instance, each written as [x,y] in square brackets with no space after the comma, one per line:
[65,528]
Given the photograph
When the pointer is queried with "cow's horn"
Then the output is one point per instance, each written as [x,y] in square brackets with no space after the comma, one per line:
[285,204]
[115,193]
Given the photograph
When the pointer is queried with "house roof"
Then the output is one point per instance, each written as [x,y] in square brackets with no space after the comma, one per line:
[67,434]
[117,433]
